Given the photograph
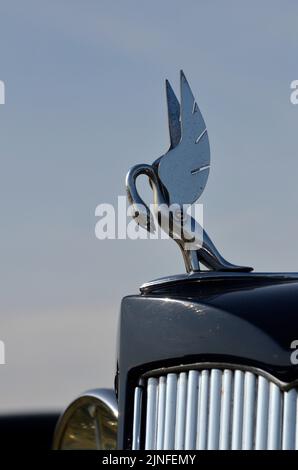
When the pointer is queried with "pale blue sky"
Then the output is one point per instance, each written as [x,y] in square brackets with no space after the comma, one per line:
[84,101]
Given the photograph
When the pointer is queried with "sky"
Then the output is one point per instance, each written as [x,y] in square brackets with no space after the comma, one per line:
[85,100]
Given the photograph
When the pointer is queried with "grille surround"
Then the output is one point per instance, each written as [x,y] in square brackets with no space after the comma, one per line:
[214,406]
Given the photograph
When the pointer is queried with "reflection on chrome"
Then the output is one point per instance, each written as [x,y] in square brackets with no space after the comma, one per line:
[89,423]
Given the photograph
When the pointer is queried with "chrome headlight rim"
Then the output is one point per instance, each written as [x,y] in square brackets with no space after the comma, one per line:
[97,398]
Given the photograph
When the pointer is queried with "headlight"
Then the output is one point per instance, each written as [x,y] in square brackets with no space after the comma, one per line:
[89,422]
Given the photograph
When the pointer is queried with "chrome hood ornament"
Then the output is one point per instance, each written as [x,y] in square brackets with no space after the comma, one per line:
[178,178]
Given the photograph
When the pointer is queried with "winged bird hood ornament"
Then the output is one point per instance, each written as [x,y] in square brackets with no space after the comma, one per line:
[178,178]
[184,169]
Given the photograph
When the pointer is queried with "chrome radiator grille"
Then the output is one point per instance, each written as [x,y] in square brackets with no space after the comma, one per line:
[215,409]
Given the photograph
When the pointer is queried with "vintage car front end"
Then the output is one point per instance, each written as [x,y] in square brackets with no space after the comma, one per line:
[205,362]
[208,359]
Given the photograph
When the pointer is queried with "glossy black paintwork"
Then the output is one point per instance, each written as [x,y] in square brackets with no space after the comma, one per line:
[238,320]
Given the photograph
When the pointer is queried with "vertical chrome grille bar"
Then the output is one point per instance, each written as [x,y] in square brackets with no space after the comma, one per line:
[214,409]
[274,418]
[289,425]
[137,418]
[170,412]
[262,414]
[162,389]
[191,410]
[181,411]
[237,410]
[249,411]
[150,442]
[225,418]
[203,410]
